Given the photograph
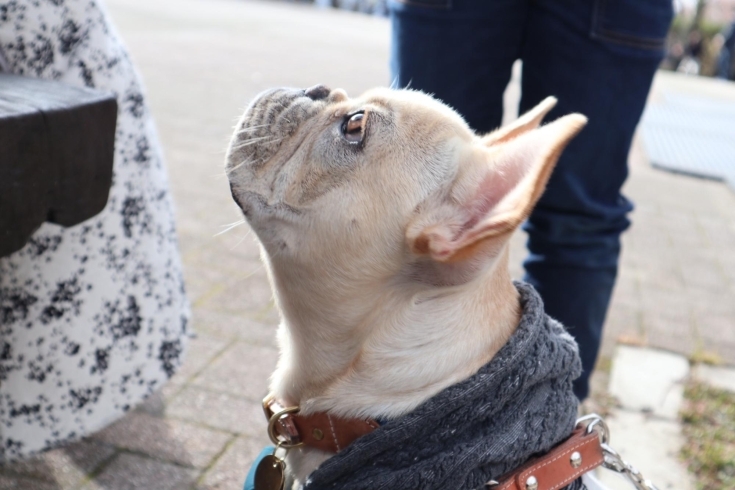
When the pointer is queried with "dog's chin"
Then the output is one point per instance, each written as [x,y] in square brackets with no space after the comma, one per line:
[272,223]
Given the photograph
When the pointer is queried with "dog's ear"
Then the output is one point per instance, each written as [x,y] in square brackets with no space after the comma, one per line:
[523,124]
[494,192]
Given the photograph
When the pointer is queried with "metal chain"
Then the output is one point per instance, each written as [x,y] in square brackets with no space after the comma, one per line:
[613,461]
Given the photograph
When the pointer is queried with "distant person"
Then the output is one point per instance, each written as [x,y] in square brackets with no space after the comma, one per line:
[726,60]
[674,56]
[691,63]
[599,59]
[694,44]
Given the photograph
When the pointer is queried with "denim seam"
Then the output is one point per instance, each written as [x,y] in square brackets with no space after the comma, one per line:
[446,6]
[632,41]
[598,32]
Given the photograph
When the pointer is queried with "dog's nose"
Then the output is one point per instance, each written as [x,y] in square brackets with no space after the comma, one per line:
[317,92]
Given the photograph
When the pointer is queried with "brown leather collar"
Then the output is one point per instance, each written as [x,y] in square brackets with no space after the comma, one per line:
[287,427]
[578,454]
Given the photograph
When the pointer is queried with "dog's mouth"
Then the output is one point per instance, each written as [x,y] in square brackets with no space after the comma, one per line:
[270,120]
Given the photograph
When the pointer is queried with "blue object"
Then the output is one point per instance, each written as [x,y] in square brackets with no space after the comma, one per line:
[250,480]
[598,58]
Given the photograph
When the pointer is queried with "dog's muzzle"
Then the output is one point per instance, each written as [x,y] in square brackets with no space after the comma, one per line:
[272,118]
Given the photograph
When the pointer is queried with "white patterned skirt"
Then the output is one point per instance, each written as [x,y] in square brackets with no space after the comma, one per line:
[93,317]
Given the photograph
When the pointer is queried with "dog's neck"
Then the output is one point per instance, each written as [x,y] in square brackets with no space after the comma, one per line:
[380,354]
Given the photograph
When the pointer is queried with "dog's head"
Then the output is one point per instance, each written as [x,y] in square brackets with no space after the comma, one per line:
[390,185]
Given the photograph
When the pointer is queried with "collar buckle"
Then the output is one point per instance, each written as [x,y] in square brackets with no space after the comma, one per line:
[282,430]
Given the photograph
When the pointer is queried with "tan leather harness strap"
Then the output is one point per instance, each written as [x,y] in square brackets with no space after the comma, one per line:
[577,455]
[318,430]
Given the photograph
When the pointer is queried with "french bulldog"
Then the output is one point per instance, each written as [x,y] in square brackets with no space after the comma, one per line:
[384,223]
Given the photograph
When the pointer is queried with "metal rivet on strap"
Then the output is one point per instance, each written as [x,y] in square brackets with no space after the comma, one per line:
[531,483]
[318,434]
[575,459]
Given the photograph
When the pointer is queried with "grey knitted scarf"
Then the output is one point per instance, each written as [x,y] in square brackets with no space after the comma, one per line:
[519,404]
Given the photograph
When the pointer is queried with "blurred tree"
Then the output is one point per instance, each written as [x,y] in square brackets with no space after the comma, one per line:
[698,15]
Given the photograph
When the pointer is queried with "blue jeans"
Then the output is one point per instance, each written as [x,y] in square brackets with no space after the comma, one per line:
[598,57]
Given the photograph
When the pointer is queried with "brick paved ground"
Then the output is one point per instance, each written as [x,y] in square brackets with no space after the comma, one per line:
[202,61]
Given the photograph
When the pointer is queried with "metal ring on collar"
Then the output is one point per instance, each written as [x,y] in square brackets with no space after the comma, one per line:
[594,422]
[285,444]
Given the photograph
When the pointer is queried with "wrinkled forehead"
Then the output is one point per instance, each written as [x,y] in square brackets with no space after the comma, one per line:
[415,105]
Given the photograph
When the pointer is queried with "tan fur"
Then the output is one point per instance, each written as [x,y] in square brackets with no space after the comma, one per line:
[388,261]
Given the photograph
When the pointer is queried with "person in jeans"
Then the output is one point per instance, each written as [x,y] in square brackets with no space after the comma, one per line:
[726,59]
[598,57]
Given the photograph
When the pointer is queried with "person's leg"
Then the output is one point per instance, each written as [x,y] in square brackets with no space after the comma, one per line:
[723,64]
[461,51]
[598,61]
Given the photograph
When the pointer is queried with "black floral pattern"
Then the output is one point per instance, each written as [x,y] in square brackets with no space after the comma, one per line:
[93,317]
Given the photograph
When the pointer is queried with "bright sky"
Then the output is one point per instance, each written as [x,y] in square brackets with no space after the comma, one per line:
[686,3]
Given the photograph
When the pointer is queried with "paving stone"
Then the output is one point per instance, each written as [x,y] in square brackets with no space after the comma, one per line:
[171,440]
[632,262]
[133,472]
[20,483]
[268,315]
[658,338]
[621,325]
[627,288]
[669,330]
[666,321]
[718,335]
[155,404]
[246,295]
[685,231]
[190,242]
[243,370]
[719,234]
[202,350]
[208,210]
[234,255]
[711,303]
[719,306]
[666,276]
[234,326]
[649,243]
[239,240]
[704,275]
[64,467]
[202,283]
[716,376]
[656,299]
[727,262]
[649,380]
[652,446]
[232,467]
[218,410]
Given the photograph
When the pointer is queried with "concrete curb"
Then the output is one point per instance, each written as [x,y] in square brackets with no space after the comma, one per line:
[715,376]
[644,429]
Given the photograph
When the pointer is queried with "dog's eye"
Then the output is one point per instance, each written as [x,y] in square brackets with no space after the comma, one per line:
[352,128]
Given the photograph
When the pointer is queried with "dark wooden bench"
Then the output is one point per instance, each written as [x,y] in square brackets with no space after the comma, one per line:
[56,152]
